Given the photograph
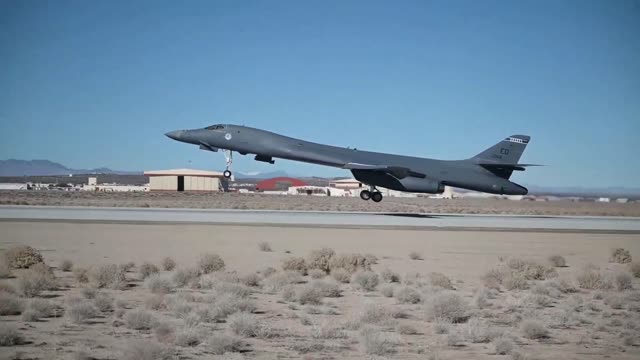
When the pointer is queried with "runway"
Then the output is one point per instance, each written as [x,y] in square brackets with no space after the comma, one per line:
[321,219]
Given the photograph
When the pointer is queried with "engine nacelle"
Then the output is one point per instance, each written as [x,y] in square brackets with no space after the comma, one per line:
[267,159]
[425,185]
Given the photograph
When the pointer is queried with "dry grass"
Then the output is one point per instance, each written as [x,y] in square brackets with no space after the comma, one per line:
[189,336]
[477,331]
[22,257]
[168,264]
[145,350]
[81,275]
[103,302]
[185,276]
[365,280]
[371,314]
[533,329]
[210,262]
[295,263]
[9,335]
[592,279]
[447,306]
[108,276]
[252,280]
[317,273]
[557,261]
[320,259]
[147,268]
[414,255]
[406,329]
[623,281]
[377,343]
[219,344]
[242,324]
[264,246]
[159,284]
[389,276]
[440,280]
[634,268]
[165,332]
[387,290]
[66,265]
[278,281]
[341,275]
[620,256]
[41,308]
[32,282]
[407,295]
[351,262]
[138,319]
[308,294]
[503,345]
[80,312]
[10,304]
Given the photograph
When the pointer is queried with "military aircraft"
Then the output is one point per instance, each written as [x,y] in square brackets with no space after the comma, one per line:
[489,171]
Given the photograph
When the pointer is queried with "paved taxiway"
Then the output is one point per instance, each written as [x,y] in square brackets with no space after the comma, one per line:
[329,219]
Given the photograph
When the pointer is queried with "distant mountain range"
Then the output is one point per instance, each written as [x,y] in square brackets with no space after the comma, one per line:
[14,167]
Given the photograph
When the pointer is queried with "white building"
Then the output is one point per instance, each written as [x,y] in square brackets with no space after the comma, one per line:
[184,180]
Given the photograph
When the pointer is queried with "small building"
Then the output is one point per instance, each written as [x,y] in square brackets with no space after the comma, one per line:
[279,184]
[346,184]
[184,180]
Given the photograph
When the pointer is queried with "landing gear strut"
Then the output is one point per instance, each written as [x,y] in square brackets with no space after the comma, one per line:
[372,194]
[228,155]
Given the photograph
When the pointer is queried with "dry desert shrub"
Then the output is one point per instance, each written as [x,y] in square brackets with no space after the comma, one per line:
[219,344]
[414,255]
[108,276]
[185,276]
[138,319]
[440,280]
[103,302]
[88,292]
[8,288]
[30,315]
[320,259]
[503,345]
[126,267]
[42,308]
[615,301]
[237,290]
[557,261]
[295,263]
[10,304]
[22,257]
[533,329]
[407,295]
[620,256]
[66,265]
[515,281]
[32,282]
[591,279]
[317,273]
[623,281]
[341,275]
[289,293]
[226,305]
[189,336]
[350,262]
[634,267]
[168,264]
[159,284]
[477,331]
[279,280]
[210,262]
[441,326]
[563,285]
[406,329]
[264,246]
[327,330]
[145,350]
[164,332]
[492,279]
[81,275]
[252,280]
[9,335]
[268,271]
[531,270]
[81,311]
[147,268]
[365,280]
[326,288]
[447,306]
[155,302]
[5,270]
[242,324]
[389,276]
[378,343]
[386,290]
[454,339]
[371,314]
[308,295]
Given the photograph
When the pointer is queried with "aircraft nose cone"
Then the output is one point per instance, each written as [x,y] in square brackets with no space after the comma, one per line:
[175,135]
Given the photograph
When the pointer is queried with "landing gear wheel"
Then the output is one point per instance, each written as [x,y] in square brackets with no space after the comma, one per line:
[227,174]
[376,196]
[365,195]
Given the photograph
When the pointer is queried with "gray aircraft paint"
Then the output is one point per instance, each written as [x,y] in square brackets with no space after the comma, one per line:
[488,171]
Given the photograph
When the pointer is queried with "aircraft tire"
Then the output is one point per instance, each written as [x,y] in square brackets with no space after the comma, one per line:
[376,196]
[365,195]
[227,174]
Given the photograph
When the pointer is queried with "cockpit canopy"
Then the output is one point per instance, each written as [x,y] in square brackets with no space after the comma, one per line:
[215,127]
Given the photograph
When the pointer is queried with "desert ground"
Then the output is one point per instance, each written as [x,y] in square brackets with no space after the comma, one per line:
[279,202]
[316,293]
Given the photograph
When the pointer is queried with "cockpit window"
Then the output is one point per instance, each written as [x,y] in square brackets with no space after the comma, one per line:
[215,127]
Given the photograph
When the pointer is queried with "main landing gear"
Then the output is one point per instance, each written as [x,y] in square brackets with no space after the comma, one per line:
[228,155]
[371,194]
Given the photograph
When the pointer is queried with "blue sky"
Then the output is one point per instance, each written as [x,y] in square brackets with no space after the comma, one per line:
[90,83]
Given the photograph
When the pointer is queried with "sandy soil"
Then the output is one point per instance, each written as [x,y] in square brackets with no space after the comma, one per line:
[277,202]
[463,256]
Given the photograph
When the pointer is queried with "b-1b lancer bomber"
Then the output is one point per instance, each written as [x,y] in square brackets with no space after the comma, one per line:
[488,171]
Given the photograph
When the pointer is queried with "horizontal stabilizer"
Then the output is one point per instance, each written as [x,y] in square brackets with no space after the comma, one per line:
[397,171]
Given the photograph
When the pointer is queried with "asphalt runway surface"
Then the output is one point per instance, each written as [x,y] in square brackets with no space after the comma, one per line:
[321,219]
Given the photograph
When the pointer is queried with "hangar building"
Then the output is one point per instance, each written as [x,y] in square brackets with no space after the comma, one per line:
[278,184]
[184,180]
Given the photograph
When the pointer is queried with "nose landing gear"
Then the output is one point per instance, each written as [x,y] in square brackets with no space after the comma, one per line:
[371,194]
[228,155]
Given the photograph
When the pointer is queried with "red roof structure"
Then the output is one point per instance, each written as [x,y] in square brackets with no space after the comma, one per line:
[278,184]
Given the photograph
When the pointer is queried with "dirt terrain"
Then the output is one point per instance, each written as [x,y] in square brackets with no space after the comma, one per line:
[278,202]
[409,295]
